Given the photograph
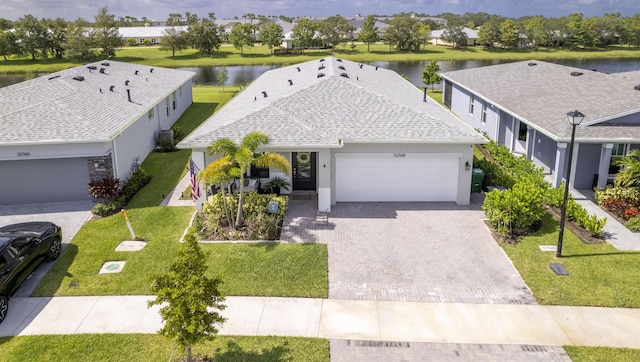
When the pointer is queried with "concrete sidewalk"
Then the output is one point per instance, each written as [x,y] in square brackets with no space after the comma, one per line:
[343,319]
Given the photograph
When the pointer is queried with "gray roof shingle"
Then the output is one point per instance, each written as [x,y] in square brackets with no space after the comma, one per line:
[542,94]
[56,108]
[301,109]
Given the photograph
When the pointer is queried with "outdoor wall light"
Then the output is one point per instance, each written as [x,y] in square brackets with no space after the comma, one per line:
[467,166]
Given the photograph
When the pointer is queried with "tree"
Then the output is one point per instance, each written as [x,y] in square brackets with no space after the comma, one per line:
[57,35]
[8,44]
[223,76]
[368,32]
[304,33]
[575,30]
[243,156]
[79,39]
[192,299]
[488,35]
[191,18]
[106,34]
[509,33]
[629,174]
[335,30]
[430,74]
[205,37]
[403,32]
[220,173]
[535,30]
[173,40]
[271,35]
[241,35]
[174,19]
[455,36]
[32,37]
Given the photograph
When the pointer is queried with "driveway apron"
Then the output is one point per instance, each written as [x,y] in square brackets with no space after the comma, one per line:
[418,252]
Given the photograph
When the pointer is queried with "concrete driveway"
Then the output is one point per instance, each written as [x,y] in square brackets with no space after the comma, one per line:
[418,252]
[69,215]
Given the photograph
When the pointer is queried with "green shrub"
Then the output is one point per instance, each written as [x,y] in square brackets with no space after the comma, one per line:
[178,133]
[135,183]
[633,224]
[629,195]
[493,174]
[514,210]
[594,225]
[166,145]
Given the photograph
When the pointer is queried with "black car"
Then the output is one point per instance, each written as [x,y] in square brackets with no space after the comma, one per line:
[23,247]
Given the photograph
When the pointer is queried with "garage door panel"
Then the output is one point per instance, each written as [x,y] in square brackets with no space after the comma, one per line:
[36,181]
[418,178]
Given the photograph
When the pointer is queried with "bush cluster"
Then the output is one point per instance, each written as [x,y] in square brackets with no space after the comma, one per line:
[623,202]
[135,183]
[259,223]
[520,207]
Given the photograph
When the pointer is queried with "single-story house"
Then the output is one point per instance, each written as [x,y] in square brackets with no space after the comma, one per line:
[524,106]
[351,131]
[60,130]
[150,34]
[436,36]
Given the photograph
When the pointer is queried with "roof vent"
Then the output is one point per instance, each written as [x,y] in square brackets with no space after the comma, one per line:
[322,60]
[129,95]
[344,75]
[376,67]
[637,87]
[106,64]
[79,78]
[575,74]
[151,71]
[92,67]
[531,64]
[126,82]
[54,77]
[320,75]
[290,82]
[111,88]
[341,67]
[361,66]
[321,67]
[264,94]
[298,68]
[339,60]
[136,73]
[102,70]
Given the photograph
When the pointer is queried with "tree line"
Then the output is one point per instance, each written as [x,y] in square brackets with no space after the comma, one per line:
[83,40]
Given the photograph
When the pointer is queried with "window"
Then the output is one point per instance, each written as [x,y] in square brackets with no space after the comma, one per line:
[3,262]
[150,113]
[167,104]
[259,172]
[618,150]
[141,40]
[484,113]
[472,100]
[173,100]
[153,40]
[522,132]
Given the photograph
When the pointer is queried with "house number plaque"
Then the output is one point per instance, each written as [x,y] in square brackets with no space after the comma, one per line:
[399,155]
[24,154]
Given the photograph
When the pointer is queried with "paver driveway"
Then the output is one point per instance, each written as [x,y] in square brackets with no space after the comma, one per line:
[421,252]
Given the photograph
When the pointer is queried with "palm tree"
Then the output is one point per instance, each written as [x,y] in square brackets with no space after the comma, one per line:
[242,156]
[220,173]
[629,175]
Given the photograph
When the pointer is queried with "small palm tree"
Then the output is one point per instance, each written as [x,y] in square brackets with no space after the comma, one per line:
[629,175]
[220,173]
[242,156]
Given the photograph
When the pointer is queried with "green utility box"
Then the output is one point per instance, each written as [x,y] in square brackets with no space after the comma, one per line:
[477,176]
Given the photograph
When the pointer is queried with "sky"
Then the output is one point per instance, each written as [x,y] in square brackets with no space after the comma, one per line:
[160,9]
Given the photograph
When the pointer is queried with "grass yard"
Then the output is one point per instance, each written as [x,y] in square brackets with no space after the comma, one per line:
[260,55]
[145,347]
[599,274]
[602,354]
[270,269]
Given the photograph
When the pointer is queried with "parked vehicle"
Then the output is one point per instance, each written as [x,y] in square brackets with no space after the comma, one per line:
[23,247]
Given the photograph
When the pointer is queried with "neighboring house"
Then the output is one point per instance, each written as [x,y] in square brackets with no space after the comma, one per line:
[62,129]
[146,34]
[436,37]
[357,23]
[523,105]
[352,132]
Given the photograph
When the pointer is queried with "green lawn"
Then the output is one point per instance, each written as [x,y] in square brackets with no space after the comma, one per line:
[599,274]
[269,269]
[260,55]
[145,347]
[602,354]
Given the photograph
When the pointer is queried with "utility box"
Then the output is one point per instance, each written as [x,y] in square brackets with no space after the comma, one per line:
[477,176]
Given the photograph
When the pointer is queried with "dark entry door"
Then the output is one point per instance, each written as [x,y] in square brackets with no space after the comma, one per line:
[304,170]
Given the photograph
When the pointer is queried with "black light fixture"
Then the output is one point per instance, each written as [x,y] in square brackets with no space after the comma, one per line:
[467,166]
[575,118]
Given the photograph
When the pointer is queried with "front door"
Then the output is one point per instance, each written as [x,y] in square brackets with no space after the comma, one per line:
[304,170]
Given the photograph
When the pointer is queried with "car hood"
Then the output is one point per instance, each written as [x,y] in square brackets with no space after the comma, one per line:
[33,227]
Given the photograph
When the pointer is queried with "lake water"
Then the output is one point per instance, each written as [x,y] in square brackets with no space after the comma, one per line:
[243,74]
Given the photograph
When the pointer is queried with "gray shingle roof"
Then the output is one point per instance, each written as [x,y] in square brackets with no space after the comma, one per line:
[542,94]
[301,109]
[55,108]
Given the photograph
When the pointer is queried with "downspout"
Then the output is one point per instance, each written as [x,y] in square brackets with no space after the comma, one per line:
[116,173]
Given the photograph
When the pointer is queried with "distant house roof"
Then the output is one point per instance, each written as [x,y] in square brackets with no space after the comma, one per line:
[541,93]
[318,103]
[78,105]
[471,33]
[147,31]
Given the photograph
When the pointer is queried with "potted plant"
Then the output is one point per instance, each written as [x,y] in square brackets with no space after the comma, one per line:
[275,184]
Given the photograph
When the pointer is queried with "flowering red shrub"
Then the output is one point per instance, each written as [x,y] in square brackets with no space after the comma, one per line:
[630,212]
[616,206]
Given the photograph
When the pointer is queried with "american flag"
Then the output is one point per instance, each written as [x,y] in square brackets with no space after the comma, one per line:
[195,185]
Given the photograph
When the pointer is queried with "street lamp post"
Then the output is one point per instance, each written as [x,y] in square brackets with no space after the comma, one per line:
[575,118]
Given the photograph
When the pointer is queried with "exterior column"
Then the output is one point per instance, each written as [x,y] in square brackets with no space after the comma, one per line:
[531,138]
[603,167]
[324,180]
[561,157]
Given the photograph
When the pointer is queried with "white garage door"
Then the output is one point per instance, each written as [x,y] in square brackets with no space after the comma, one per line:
[396,177]
[36,181]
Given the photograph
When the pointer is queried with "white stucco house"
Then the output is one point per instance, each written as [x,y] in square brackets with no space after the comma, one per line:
[60,130]
[352,132]
[436,36]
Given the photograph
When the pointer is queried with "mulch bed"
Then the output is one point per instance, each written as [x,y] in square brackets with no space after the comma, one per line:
[583,234]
